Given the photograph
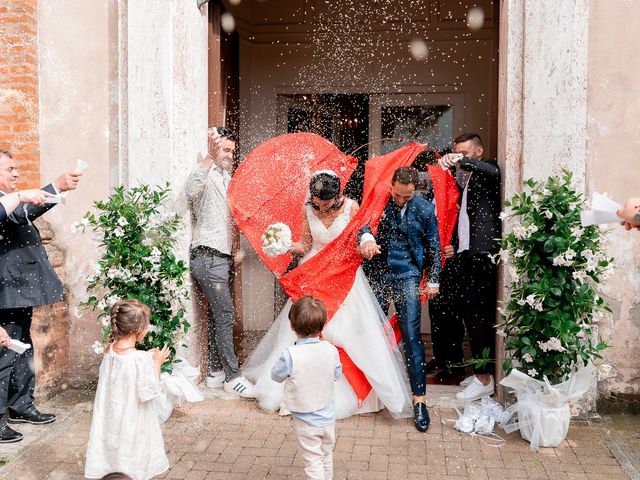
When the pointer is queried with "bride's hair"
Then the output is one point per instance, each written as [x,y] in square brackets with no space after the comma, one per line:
[325,186]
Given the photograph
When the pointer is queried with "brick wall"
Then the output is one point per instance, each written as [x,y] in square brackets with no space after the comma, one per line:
[19,134]
[19,87]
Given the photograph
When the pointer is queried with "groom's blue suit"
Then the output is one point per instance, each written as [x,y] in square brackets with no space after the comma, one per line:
[410,247]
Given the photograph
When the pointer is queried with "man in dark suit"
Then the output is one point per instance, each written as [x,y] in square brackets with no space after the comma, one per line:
[407,247]
[475,282]
[26,280]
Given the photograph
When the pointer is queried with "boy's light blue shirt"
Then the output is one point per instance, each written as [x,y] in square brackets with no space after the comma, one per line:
[283,368]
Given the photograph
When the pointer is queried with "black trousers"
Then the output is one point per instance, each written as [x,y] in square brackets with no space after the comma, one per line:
[17,372]
[467,300]
[446,313]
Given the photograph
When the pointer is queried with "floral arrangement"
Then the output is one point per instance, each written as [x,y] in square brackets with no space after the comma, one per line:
[276,239]
[137,239]
[555,266]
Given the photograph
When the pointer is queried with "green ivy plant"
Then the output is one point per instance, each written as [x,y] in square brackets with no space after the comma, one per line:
[555,266]
[138,239]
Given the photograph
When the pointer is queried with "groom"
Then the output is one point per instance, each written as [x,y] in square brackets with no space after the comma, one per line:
[407,246]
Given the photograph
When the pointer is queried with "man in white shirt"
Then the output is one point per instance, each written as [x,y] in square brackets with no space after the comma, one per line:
[211,257]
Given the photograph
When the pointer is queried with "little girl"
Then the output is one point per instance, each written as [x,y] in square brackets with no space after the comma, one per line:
[125,431]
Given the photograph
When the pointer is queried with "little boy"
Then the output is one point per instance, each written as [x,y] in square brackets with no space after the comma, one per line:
[309,369]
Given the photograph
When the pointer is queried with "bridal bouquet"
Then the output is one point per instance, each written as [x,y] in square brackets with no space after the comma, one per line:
[276,239]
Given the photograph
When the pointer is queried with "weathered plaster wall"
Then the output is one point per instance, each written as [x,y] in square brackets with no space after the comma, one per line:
[74,124]
[569,99]
[163,77]
[613,167]
[124,88]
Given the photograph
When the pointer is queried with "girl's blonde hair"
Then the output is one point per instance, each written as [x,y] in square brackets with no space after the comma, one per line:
[128,317]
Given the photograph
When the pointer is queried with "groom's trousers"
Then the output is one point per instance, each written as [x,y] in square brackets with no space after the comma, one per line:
[405,294]
[17,371]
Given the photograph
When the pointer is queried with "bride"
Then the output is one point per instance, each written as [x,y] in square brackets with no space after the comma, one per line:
[358,326]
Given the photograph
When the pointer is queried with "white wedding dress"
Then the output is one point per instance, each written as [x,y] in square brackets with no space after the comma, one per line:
[358,327]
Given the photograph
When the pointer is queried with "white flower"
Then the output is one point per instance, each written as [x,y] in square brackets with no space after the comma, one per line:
[501,333]
[97,347]
[577,232]
[153,329]
[536,197]
[532,372]
[580,275]
[105,321]
[504,255]
[546,192]
[518,253]
[538,306]
[553,344]
[569,254]
[112,300]
[113,272]
[118,232]
[147,242]
[527,358]
[520,302]
[520,232]
[102,305]
[122,221]
[532,229]
[547,214]
[531,300]
[503,215]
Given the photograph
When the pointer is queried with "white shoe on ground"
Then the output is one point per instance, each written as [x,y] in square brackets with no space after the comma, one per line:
[467,381]
[476,390]
[240,386]
[215,379]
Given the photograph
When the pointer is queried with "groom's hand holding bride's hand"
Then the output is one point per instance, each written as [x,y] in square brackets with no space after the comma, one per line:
[430,292]
[369,249]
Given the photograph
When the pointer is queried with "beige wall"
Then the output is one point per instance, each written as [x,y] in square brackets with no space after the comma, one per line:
[299,48]
[123,86]
[75,115]
[614,141]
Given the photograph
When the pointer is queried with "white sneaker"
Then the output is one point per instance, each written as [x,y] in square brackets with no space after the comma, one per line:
[240,386]
[215,379]
[476,390]
[467,381]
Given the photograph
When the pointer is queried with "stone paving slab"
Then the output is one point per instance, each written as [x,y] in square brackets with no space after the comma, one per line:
[227,438]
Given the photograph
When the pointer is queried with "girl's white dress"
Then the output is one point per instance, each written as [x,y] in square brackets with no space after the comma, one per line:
[359,326]
[125,431]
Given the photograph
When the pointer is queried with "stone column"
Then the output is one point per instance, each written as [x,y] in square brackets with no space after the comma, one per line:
[543,95]
[163,99]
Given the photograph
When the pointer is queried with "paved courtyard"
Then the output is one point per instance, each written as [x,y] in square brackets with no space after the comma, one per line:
[233,439]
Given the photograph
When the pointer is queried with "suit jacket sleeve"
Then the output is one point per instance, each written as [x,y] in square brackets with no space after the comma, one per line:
[485,166]
[362,231]
[3,214]
[24,213]
[433,262]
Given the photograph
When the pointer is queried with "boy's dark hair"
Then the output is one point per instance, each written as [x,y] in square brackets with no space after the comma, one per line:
[405,176]
[307,316]
[225,132]
[465,137]
[116,476]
